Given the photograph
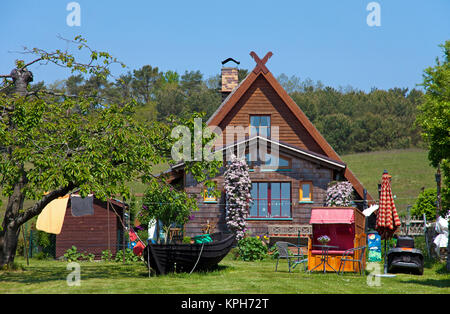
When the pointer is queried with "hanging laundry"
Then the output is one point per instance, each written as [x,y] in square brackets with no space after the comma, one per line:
[51,218]
[82,206]
[136,243]
[138,248]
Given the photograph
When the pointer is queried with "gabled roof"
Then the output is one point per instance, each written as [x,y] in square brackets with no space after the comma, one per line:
[261,70]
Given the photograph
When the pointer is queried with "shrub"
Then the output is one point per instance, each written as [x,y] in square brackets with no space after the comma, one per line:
[106,256]
[129,256]
[187,240]
[425,204]
[72,254]
[251,249]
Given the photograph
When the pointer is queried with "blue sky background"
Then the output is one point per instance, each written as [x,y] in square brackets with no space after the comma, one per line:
[323,40]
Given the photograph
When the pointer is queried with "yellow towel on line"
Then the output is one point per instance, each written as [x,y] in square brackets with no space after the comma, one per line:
[51,218]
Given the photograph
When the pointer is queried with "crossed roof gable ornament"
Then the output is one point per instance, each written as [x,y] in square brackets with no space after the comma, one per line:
[261,63]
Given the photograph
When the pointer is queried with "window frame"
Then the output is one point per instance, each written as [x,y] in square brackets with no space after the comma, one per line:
[207,198]
[301,198]
[270,200]
[259,115]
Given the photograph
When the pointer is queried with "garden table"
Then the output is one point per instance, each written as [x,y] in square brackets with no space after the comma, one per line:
[324,257]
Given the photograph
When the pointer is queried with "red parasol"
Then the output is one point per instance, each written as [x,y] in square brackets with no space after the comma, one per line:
[387,217]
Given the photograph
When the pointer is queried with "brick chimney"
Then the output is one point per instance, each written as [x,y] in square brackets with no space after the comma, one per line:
[229,78]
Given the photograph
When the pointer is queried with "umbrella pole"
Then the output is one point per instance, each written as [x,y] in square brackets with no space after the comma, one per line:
[385,261]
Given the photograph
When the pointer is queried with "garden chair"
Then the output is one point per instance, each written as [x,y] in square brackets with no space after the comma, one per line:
[354,255]
[292,259]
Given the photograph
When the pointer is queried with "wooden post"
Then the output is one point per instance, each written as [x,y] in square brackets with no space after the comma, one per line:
[438,191]
[109,236]
[124,230]
[25,245]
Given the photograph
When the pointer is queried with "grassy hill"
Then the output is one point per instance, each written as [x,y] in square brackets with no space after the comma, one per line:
[409,168]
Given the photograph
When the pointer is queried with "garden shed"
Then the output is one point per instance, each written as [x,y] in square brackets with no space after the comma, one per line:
[93,233]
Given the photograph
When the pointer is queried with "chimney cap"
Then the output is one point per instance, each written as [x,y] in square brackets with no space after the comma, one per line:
[230,59]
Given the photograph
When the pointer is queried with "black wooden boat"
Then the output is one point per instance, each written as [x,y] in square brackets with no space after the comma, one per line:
[165,258]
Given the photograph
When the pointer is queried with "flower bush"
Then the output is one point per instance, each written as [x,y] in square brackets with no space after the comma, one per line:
[237,186]
[339,194]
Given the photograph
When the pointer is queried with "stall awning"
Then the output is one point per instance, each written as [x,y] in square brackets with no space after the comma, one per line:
[332,216]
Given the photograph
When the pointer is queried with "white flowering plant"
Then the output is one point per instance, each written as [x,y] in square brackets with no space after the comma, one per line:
[237,186]
[339,194]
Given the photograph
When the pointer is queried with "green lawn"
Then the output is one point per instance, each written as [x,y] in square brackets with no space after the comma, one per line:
[231,277]
[409,168]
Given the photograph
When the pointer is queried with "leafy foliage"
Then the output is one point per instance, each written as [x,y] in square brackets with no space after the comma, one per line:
[426,204]
[351,120]
[165,204]
[54,142]
[130,257]
[251,249]
[434,116]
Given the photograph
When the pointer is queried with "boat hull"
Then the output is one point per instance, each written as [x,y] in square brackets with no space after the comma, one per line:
[165,258]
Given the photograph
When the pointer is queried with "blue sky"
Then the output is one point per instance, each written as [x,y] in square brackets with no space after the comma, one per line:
[323,40]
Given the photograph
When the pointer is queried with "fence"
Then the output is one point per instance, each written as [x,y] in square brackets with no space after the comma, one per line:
[412,226]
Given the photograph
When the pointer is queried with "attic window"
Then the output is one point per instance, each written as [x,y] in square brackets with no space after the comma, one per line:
[260,125]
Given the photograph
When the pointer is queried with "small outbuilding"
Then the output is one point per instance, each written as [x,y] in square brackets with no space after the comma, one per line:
[93,233]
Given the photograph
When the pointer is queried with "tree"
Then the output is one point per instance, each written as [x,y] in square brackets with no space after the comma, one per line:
[54,144]
[434,118]
[237,186]
[164,204]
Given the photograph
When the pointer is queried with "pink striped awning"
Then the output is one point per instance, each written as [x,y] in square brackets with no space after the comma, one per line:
[332,216]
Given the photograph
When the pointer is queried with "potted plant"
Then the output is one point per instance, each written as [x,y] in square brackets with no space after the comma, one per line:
[324,239]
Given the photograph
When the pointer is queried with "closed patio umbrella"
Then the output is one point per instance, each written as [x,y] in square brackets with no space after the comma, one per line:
[387,217]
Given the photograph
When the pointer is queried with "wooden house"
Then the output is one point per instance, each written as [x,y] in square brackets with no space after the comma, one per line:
[92,233]
[305,163]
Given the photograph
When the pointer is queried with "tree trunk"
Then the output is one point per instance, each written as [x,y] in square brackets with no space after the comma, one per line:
[9,234]
[15,217]
[8,244]
[10,228]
